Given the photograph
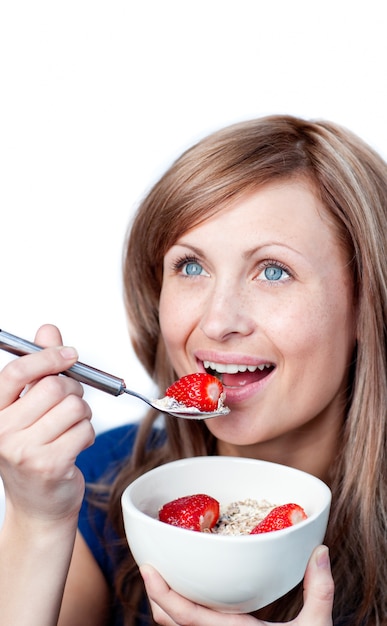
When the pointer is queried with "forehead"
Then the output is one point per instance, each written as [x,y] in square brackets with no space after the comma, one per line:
[285,207]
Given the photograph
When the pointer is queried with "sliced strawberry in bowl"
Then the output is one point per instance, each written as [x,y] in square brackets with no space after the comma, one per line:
[200,390]
[198,512]
[280,517]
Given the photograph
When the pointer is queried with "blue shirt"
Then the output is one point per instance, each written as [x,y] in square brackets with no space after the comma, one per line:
[104,459]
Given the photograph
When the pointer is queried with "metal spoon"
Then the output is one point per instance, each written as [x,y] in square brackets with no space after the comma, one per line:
[107,382]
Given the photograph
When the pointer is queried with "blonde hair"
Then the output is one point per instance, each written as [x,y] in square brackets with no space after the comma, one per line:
[352,182]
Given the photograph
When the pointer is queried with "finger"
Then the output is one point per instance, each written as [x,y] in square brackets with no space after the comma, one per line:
[28,445]
[77,438]
[318,591]
[171,609]
[49,461]
[17,374]
[43,397]
[160,616]
[158,594]
[56,461]
[57,421]
[47,483]
[48,335]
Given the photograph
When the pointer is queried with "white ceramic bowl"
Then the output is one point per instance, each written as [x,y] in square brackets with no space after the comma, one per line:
[233,574]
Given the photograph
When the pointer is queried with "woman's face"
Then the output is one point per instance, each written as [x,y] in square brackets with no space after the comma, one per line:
[261,294]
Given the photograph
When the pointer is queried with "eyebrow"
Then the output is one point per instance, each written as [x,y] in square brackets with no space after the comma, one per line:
[247,254]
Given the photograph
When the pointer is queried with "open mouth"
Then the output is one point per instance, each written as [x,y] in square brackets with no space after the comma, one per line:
[238,375]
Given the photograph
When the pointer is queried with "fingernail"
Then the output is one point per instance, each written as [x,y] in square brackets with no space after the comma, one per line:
[68,353]
[322,557]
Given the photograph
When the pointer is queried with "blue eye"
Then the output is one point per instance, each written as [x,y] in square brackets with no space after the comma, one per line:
[273,273]
[192,269]
[189,266]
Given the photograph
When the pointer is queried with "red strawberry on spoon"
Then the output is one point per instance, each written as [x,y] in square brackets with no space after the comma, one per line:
[280,517]
[199,390]
[198,512]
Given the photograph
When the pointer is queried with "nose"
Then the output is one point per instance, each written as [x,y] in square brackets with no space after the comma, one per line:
[227,313]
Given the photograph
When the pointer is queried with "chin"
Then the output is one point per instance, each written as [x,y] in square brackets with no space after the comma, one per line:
[231,434]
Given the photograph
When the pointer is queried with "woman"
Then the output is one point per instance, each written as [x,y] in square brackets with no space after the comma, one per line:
[263,245]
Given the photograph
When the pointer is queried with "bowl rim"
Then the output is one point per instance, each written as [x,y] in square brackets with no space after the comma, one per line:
[128,504]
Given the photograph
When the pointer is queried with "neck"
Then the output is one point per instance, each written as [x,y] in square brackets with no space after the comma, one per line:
[311,448]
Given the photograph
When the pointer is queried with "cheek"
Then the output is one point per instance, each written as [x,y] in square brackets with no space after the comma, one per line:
[325,351]
[175,319]
[166,316]
[318,327]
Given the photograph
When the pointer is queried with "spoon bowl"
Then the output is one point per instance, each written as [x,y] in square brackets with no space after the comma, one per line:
[164,405]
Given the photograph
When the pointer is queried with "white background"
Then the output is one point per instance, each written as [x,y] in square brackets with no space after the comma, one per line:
[98,97]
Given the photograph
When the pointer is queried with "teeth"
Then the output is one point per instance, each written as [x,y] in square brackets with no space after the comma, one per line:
[233,368]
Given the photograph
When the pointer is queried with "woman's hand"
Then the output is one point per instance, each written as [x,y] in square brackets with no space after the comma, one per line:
[44,424]
[171,609]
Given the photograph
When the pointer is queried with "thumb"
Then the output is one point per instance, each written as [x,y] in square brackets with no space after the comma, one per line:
[318,591]
[48,335]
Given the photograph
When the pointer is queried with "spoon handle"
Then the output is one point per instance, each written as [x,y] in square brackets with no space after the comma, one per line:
[79,371]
